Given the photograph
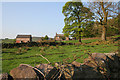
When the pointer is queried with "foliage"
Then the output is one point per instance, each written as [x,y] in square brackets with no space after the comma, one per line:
[8,40]
[104,11]
[106,22]
[62,37]
[113,26]
[42,38]
[89,30]
[76,16]
[114,22]
[95,30]
[46,37]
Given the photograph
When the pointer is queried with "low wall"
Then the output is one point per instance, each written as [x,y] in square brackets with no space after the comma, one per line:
[31,44]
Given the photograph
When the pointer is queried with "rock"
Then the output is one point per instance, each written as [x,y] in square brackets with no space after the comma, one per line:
[86,60]
[108,63]
[56,64]
[85,72]
[52,73]
[98,59]
[98,56]
[5,76]
[110,54]
[24,72]
[102,56]
[45,68]
[76,64]
[69,71]
[113,66]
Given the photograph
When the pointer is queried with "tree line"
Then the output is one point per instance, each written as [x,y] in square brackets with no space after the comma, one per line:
[93,19]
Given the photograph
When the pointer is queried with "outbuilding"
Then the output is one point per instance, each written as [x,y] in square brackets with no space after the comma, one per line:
[23,38]
[60,37]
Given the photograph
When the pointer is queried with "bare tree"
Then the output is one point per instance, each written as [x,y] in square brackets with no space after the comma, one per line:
[103,10]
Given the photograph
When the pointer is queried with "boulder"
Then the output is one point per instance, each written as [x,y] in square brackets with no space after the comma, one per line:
[113,66]
[45,68]
[85,72]
[76,64]
[68,71]
[5,76]
[98,56]
[105,63]
[24,72]
[98,59]
[51,73]
[102,55]
[110,55]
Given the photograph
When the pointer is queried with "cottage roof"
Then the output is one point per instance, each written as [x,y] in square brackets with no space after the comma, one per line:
[36,38]
[58,35]
[23,36]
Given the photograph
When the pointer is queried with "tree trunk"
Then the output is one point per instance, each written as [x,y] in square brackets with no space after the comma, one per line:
[80,37]
[103,37]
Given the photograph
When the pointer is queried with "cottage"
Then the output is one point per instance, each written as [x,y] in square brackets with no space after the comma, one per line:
[23,38]
[60,37]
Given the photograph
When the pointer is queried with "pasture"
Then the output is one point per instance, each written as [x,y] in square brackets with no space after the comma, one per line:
[12,57]
[8,40]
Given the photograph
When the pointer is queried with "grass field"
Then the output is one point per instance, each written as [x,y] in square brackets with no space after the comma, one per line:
[8,40]
[83,41]
[12,57]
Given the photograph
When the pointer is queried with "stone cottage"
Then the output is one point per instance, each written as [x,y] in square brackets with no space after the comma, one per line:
[23,38]
[59,37]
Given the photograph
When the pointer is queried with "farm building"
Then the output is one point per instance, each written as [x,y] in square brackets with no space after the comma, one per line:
[36,39]
[23,38]
[60,37]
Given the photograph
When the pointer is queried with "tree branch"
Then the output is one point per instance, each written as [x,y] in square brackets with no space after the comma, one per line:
[44,58]
[108,5]
[112,11]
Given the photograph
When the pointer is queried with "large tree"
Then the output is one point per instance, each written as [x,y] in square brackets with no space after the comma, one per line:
[76,16]
[103,11]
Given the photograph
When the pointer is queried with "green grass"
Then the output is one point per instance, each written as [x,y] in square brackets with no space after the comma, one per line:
[8,40]
[68,50]
[116,36]
[83,41]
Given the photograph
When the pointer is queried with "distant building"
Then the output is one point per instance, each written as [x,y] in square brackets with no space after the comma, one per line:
[60,37]
[23,38]
[37,39]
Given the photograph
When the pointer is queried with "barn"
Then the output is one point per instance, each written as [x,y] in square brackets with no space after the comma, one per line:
[23,38]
